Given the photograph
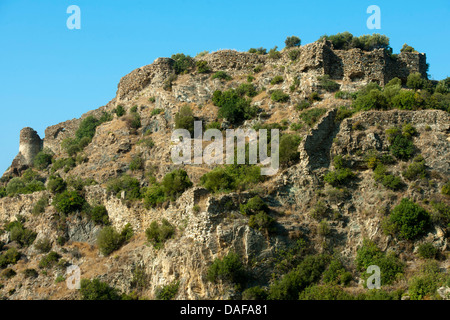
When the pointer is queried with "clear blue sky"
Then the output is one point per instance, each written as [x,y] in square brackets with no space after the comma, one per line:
[49,74]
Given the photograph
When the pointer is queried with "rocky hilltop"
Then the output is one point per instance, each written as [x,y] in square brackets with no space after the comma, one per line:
[362,143]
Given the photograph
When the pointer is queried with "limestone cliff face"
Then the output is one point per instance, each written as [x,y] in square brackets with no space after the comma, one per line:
[208,226]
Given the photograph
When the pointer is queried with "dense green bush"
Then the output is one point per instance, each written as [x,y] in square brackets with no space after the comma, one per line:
[426,282]
[279,96]
[345,41]
[182,63]
[23,236]
[43,159]
[415,81]
[56,184]
[184,119]
[99,215]
[336,273]
[292,41]
[405,100]
[274,53]
[154,195]
[246,89]
[29,182]
[388,180]
[446,189]
[229,268]
[276,80]
[427,251]
[167,292]
[339,177]
[327,84]
[406,48]
[158,234]
[231,177]
[43,245]
[40,205]
[253,206]
[97,290]
[254,293]
[372,98]
[409,220]
[175,183]
[293,54]
[68,202]
[259,50]
[308,272]
[311,116]
[119,111]
[66,163]
[288,150]
[401,145]
[416,169]
[109,240]
[202,66]
[11,256]
[325,292]
[369,254]
[49,260]
[128,184]
[233,106]
[345,95]
[221,75]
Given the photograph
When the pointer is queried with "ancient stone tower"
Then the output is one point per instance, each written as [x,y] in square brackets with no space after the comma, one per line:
[30,145]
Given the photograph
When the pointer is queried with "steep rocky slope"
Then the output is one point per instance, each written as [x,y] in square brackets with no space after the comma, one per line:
[208,225]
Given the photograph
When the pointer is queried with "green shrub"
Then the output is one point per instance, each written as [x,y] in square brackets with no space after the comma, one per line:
[401,145]
[258,68]
[221,75]
[184,119]
[56,184]
[109,240]
[167,292]
[99,215]
[154,195]
[319,210]
[158,234]
[97,290]
[29,183]
[137,163]
[311,116]
[156,111]
[231,177]
[274,53]
[415,81]
[371,98]
[327,84]
[288,149]
[293,54]
[87,128]
[43,245]
[424,284]
[175,183]
[308,272]
[446,189]
[370,254]
[325,292]
[279,96]
[339,177]
[66,163]
[11,256]
[233,106]
[416,169]
[43,159]
[345,41]
[345,95]
[128,184]
[68,202]
[292,41]
[40,205]
[407,48]
[49,260]
[336,273]
[386,179]
[405,100]
[20,234]
[247,89]
[427,251]
[408,220]
[254,293]
[202,66]
[253,206]
[303,105]
[276,80]
[119,111]
[259,50]
[30,273]
[229,268]
[182,63]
